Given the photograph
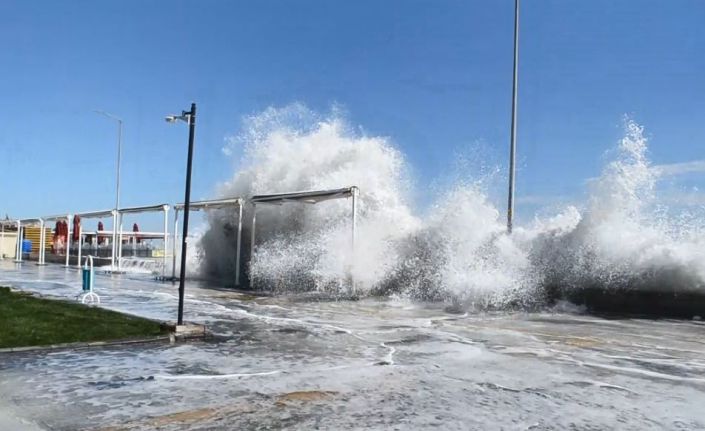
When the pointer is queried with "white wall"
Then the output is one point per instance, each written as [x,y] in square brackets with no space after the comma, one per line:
[8,245]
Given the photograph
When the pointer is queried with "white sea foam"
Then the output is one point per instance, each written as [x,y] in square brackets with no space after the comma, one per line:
[461,251]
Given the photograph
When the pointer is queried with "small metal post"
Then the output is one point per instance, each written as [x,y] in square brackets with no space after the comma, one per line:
[239,242]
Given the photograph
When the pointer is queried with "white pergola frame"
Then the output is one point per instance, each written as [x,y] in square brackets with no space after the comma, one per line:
[117,218]
[308,197]
[66,217]
[164,234]
[89,215]
[207,205]
[21,223]
[4,223]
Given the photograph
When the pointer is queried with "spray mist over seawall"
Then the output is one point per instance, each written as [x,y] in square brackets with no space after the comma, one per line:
[625,238]
[620,239]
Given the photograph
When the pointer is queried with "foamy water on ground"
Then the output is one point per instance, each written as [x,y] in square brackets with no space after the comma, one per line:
[291,362]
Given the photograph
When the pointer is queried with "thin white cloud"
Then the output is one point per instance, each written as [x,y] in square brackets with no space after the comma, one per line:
[674,169]
[668,170]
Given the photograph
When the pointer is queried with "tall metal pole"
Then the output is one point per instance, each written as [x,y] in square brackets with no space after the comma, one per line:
[117,243]
[119,157]
[513,144]
[187,205]
[117,185]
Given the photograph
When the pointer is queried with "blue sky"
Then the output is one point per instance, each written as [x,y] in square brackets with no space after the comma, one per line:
[434,76]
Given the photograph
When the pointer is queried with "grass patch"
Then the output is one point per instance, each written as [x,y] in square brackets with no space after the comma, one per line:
[26,320]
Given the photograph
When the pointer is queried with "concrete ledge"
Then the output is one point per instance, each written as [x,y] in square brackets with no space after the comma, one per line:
[636,302]
[188,331]
[86,345]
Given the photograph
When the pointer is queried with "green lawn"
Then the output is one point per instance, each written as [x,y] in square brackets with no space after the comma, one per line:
[30,321]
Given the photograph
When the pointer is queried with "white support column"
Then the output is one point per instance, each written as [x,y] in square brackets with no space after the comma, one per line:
[80,244]
[166,239]
[173,244]
[239,243]
[2,240]
[68,239]
[254,228]
[42,239]
[352,239]
[18,258]
[354,216]
[252,242]
[119,244]
[114,242]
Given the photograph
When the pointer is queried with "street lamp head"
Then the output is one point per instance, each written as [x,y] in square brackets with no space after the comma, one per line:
[108,114]
[176,118]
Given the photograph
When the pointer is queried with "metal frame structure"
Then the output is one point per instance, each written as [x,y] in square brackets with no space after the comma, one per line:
[311,197]
[20,230]
[116,232]
[164,235]
[2,234]
[208,205]
[68,218]
[308,197]
[90,215]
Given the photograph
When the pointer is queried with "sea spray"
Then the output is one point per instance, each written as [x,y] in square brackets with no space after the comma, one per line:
[622,240]
[308,247]
[460,251]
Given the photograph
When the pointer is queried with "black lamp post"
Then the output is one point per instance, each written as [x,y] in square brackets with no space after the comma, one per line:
[513,139]
[190,118]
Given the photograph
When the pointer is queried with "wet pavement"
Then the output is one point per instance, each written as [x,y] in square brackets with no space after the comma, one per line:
[298,363]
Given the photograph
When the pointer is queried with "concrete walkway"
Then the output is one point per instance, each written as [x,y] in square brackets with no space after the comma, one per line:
[296,363]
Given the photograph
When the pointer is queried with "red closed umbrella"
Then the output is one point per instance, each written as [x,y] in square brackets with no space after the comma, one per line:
[136,228]
[76,227]
[101,238]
